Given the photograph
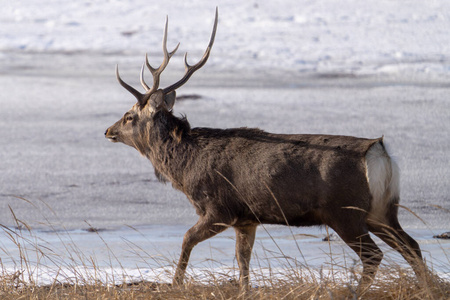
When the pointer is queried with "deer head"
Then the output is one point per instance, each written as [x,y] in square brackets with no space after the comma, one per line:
[154,99]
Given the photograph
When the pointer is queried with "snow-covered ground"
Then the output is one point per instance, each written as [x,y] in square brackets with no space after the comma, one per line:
[387,38]
[364,68]
[151,252]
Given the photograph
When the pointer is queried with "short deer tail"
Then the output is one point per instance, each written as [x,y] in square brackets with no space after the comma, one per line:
[383,176]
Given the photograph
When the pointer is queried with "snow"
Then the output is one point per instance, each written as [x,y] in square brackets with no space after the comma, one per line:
[364,68]
[149,253]
[362,38]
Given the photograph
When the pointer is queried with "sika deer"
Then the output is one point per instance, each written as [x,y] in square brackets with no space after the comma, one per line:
[244,177]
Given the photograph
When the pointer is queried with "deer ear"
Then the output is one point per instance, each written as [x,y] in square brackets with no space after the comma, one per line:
[169,100]
[156,100]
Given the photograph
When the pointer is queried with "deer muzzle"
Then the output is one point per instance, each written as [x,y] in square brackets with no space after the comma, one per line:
[110,136]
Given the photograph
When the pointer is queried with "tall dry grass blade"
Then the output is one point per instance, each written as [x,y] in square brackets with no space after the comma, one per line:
[413,213]
[26,200]
[331,253]
[110,252]
[440,207]
[253,212]
[18,222]
[287,224]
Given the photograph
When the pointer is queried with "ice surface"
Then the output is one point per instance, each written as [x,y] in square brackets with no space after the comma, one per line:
[367,68]
[150,253]
[54,153]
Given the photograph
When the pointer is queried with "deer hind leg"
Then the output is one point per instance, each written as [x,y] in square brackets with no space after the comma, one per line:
[355,234]
[202,230]
[245,238]
[370,255]
[390,231]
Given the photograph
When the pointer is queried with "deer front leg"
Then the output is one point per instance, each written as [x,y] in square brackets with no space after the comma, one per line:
[204,229]
[245,237]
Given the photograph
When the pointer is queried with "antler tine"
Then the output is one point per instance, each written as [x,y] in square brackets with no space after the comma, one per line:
[157,72]
[189,70]
[141,98]
[144,85]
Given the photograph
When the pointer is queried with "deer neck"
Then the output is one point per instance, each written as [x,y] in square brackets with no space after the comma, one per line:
[168,146]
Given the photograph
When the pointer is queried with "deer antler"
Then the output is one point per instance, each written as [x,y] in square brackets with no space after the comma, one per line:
[143,98]
[156,73]
[189,70]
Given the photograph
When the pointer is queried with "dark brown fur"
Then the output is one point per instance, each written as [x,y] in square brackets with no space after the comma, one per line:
[241,170]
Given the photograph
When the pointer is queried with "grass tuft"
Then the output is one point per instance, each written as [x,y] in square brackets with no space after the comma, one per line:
[41,272]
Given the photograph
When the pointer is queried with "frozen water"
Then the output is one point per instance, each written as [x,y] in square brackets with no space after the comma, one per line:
[150,252]
[367,68]
[54,153]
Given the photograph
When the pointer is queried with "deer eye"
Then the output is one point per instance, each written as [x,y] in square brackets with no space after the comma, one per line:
[128,118]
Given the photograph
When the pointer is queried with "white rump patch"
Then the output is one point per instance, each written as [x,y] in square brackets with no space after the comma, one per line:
[383,176]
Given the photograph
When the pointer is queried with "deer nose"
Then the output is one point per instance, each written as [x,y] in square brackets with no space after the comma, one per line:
[110,136]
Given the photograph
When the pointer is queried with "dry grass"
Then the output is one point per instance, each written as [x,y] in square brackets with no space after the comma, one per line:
[404,287]
[77,276]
